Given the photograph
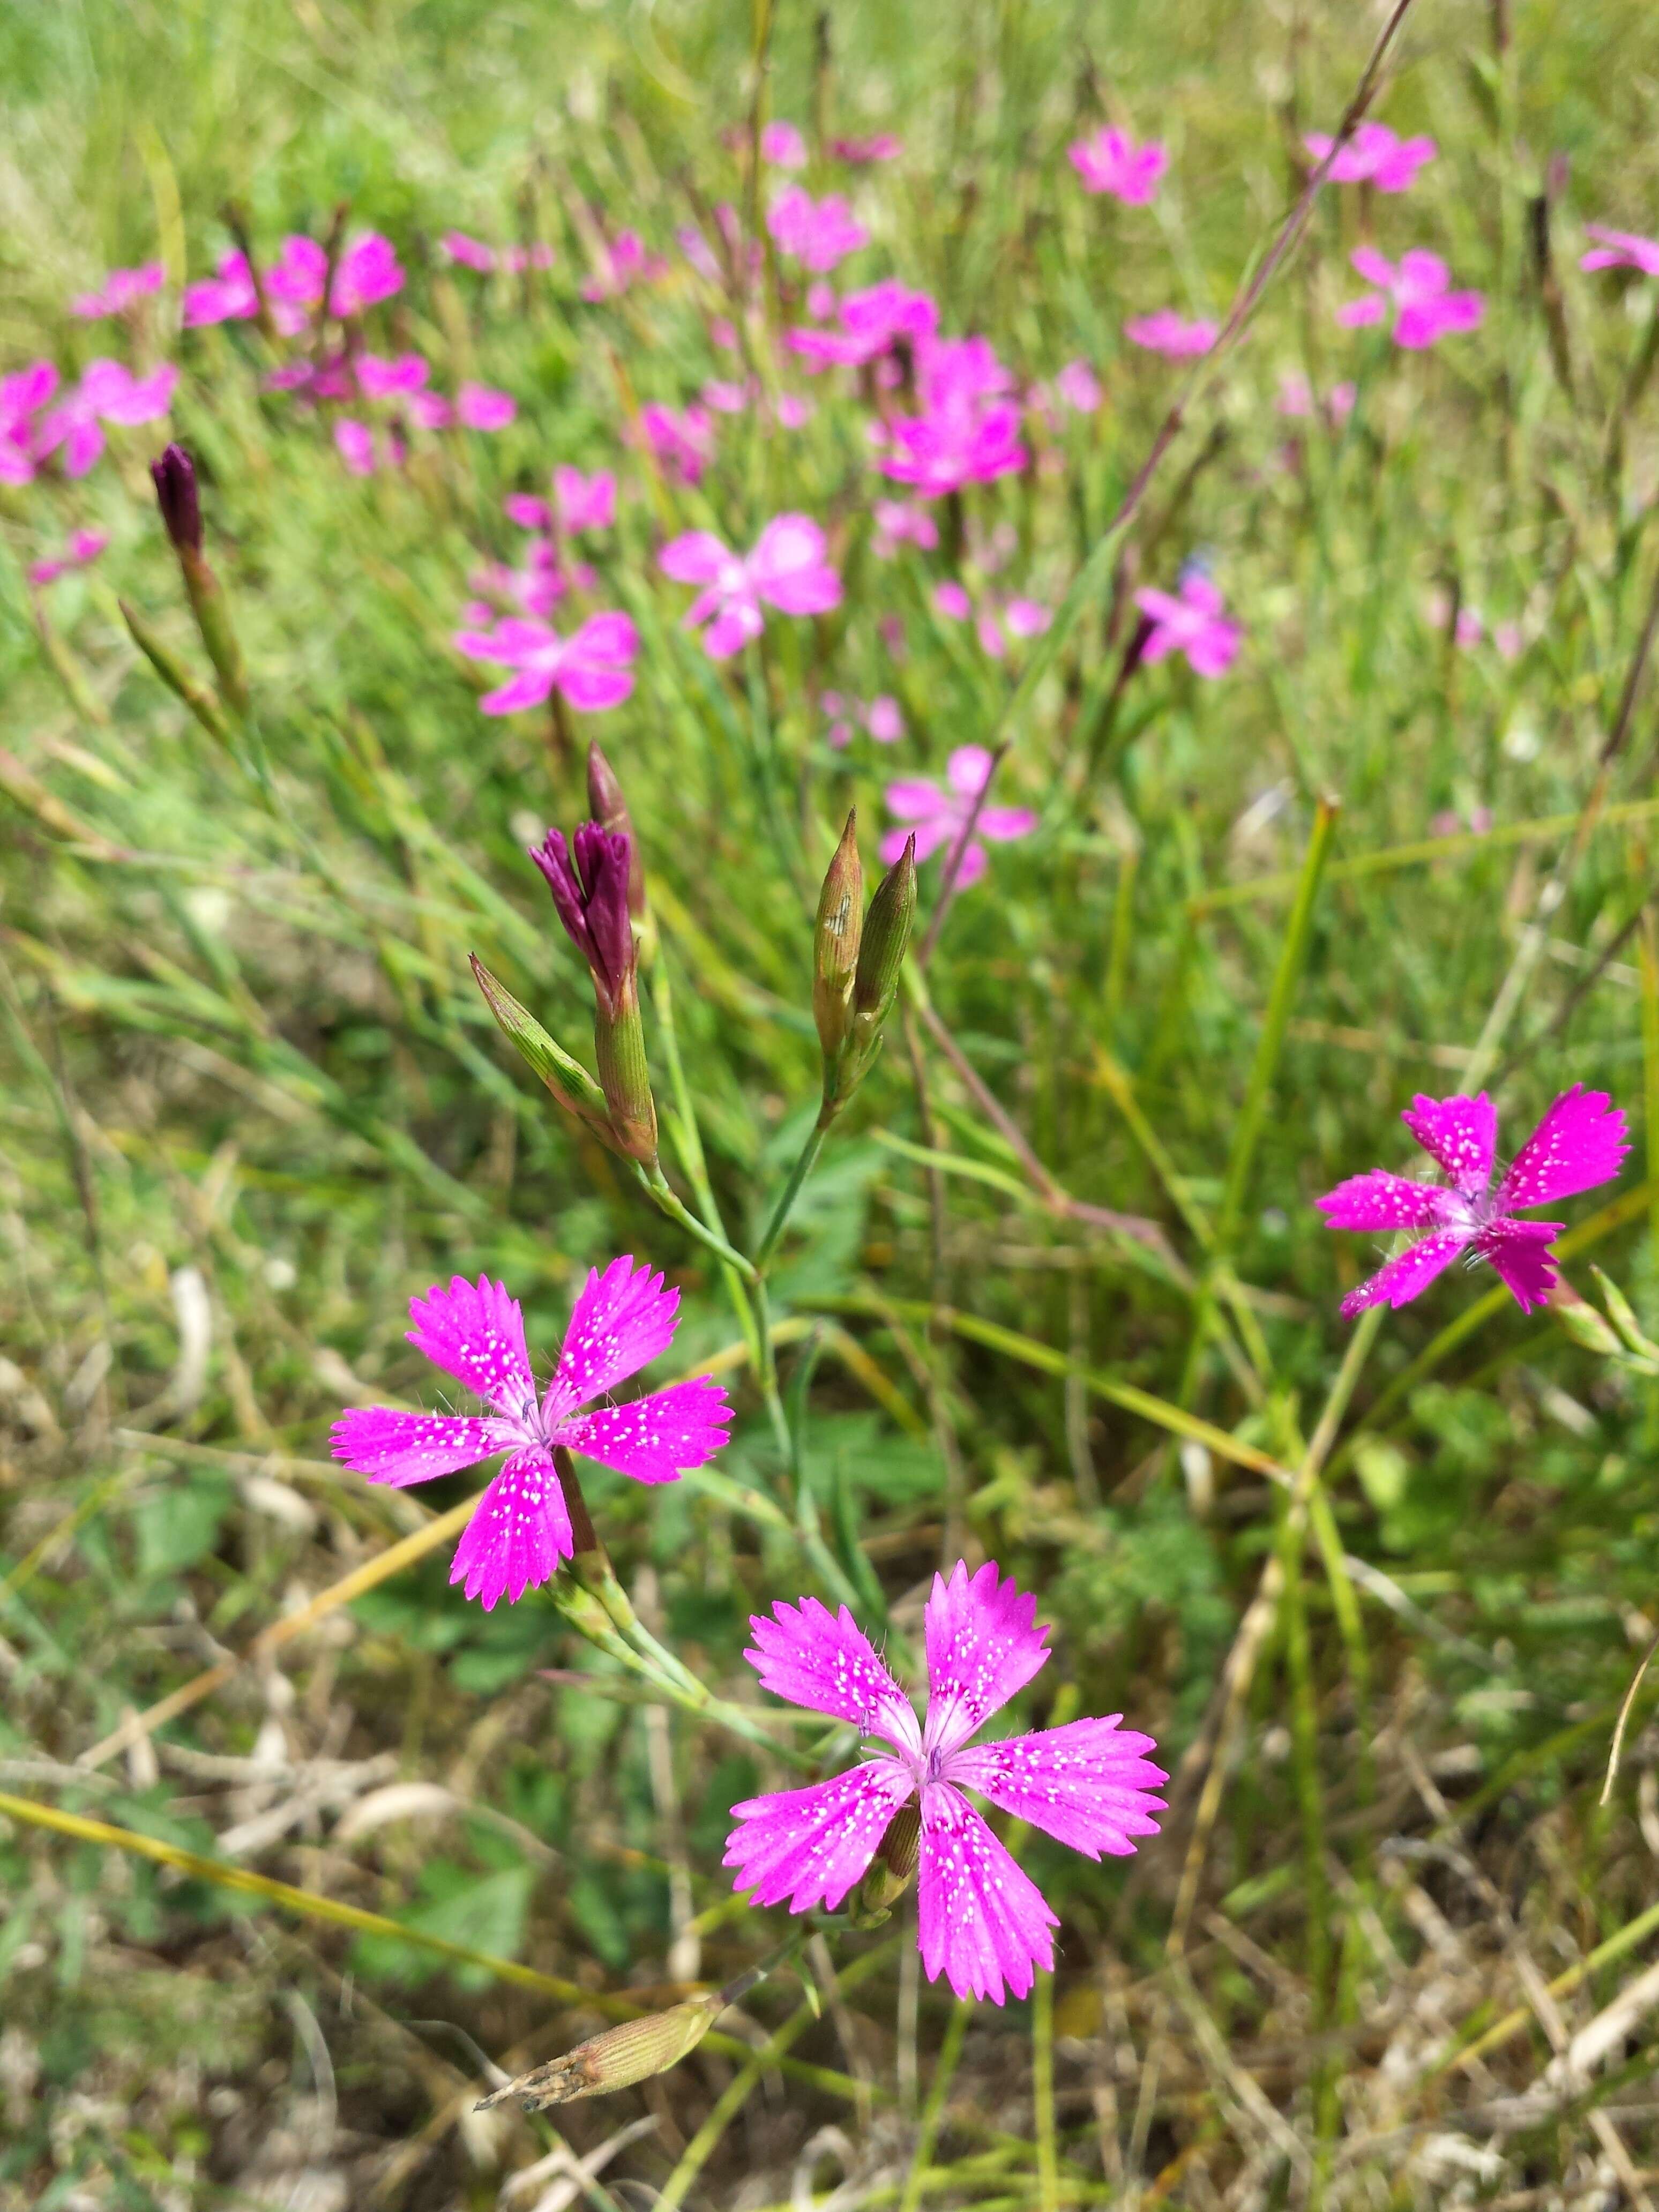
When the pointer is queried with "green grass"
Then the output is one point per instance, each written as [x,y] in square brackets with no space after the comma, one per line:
[254,1100]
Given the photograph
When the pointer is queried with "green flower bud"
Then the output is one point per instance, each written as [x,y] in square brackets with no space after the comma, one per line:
[887,929]
[893,1868]
[624,1072]
[615,2059]
[567,1079]
[835,939]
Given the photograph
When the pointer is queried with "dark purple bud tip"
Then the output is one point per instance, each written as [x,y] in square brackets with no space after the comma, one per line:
[591,894]
[174,477]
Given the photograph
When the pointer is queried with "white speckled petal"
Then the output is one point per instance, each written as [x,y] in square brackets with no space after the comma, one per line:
[1378,1203]
[656,1438]
[622,1321]
[475,1331]
[1088,1784]
[824,1661]
[520,1533]
[405,1448]
[810,1846]
[1579,1143]
[1461,1134]
[982,1648]
[981,1921]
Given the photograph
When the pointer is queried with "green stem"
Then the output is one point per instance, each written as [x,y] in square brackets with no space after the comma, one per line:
[791,1191]
[652,1180]
[950,2052]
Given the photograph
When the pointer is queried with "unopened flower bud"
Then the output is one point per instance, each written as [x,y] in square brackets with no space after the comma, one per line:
[886,938]
[174,477]
[567,1079]
[590,893]
[615,2059]
[892,1869]
[836,938]
[609,810]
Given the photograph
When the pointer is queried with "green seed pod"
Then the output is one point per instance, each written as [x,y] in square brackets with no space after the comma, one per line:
[615,2059]
[887,929]
[567,1079]
[836,939]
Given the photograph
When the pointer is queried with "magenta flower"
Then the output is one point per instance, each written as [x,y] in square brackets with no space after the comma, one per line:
[623,1319]
[84,546]
[584,503]
[899,524]
[1425,308]
[817,232]
[1167,332]
[939,816]
[1193,623]
[480,407]
[22,395]
[787,569]
[122,289]
[107,392]
[362,452]
[378,377]
[1374,155]
[368,272]
[859,153]
[230,297]
[1579,1143]
[1620,249]
[622,261]
[470,252]
[683,441]
[872,322]
[1110,161]
[1296,399]
[593,668]
[884,717]
[1079,386]
[980,1921]
[782,145]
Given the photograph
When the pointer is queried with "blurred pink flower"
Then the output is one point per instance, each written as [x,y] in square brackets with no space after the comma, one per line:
[782,145]
[883,718]
[623,260]
[584,503]
[953,600]
[230,297]
[470,252]
[1509,640]
[378,377]
[1296,399]
[1193,623]
[515,259]
[1469,629]
[1426,309]
[996,623]
[1110,161]
[872,321]
[725,398]
[367,272]
[967,432]
[684,441]
[83,546]
[1620,249]
[1079,386]
[1374,155]
[941,815]
[122,289]
[107,392]
[899,523]
[819,234]
[481,407]
[22,395]
[593,668]
[358,447]
[879,146]
[1167,332]
[788,569]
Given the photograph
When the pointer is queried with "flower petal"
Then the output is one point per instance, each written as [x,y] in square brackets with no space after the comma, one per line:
[981,1647]
[697,556]
[1460,1134]
[623,1320]
[404,1448]
[518,1535]
[1378,1203]
[1412,1273]
[1579,1143]
[824,1662]
[811,1846]
[658,1437]
[980,1921]
[1519,1252]
[477,1334]
[1087,1784]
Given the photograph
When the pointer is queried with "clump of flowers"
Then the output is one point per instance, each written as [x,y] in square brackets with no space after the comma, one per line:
[1579,1143]
[981,1921]
[941,815]
[788,569]
[1419,290]
[623,1319]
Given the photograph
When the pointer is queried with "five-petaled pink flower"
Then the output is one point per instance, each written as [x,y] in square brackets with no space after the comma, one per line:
[1419,290]
[981,1921]
[817,232]
[1374,155]
[1620,249]
[1110,161]
[940,817]
[787,569]
[1170,333]
[122,289]
[1193,622]
[1578,1144]
[623,1319]
[593,668]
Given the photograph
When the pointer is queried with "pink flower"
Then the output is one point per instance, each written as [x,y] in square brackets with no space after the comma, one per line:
[1016,618]
[1620,249]
[22,395]
[515,259]
[584,503]
[883,718]
[787,569]
[1111,163]
[980,1921]
[782,145]
[1079,386]
[1426,309]
[1374,155]
[592,668]
[521,1531]
[1579,1143]
[967,433]
[378,377]
[1296,399]
[725,398]
[622,261]
[83,546]
[480,407]
[470,252]
[952,600]
[858,152]
[939,816]
[122,288]
[1193,623]
[227,298]
[354,441]
[107,392]
[685,440]
[527,511]
[1469,629]
[900,523]
[1166,332]
[817,232]
[368,272]
[872,321]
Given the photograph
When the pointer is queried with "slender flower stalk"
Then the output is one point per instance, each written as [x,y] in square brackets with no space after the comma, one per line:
[177,496]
